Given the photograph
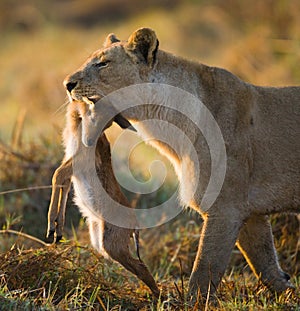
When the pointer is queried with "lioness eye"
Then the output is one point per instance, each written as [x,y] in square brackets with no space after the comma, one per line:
[101,64]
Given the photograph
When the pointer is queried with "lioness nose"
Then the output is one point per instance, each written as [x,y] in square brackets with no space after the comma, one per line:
[70,86]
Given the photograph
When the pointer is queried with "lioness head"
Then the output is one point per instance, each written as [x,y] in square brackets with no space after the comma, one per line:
[117,65]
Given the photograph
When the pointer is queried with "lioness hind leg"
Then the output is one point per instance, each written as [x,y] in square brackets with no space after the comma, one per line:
[218,237]
[256,243]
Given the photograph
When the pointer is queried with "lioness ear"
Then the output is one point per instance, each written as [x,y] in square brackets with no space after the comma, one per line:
[144,44]
[111,38]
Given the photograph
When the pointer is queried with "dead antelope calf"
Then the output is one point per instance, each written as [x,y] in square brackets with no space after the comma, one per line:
[108,239]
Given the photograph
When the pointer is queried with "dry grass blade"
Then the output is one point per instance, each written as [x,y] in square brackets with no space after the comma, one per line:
[23,235]
[16,140]
[27,189]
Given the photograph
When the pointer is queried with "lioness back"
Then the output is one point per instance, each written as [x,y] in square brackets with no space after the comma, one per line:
[275,137]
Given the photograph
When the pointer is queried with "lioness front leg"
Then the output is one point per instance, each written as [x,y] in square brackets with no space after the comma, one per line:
[218,237]
[257,245]
[61,182]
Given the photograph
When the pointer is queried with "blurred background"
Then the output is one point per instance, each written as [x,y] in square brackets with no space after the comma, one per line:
[43,41]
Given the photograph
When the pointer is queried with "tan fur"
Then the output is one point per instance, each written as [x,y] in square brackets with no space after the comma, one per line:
[260,126]
[108,239]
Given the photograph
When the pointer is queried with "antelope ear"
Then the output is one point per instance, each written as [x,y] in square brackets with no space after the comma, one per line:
[143,42]
[110,39]
[123,123]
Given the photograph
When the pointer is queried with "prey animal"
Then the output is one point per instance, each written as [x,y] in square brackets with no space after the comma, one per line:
[108,239]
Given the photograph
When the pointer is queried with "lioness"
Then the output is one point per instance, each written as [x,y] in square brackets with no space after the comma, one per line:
[261,130]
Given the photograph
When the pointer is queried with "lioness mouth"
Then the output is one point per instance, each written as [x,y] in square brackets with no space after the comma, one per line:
[91,100]
[119,118]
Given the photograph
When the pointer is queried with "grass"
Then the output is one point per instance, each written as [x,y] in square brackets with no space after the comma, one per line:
[72,276]
[260,43]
